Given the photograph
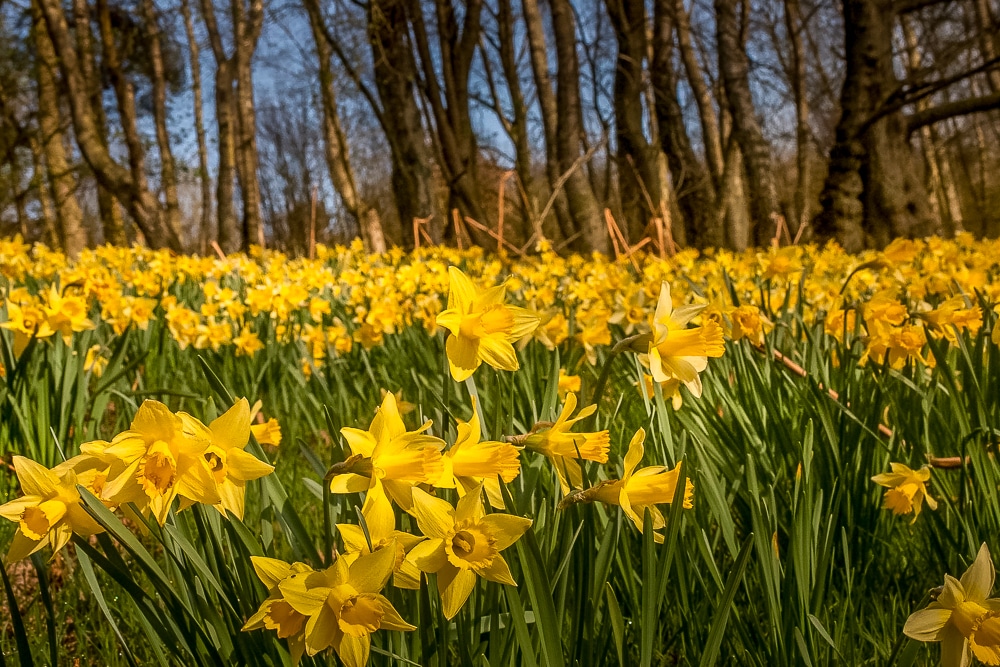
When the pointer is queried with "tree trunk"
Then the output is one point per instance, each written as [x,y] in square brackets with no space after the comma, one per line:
[873,192]
[449,103]
[141,205]
[247,29]
[518,128]
[62,185]
[50,236]
[638,182]
[582,203]
[168,172]
[111,216]
[734,70]
[989,42]
[205,230]
[230,232]
[795,26]
[702,94]
[538,49]
[395,76]
[124,96]
[695,192]
[335,143]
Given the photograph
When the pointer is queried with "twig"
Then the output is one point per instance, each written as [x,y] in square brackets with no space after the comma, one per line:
[801,372]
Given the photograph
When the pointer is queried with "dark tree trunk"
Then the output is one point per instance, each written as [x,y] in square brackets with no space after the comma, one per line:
[638,181]
[734,69]
[449,103]
[395,79]
[111,217]
[583,204]
[538,50]
[696,197]
[873,191]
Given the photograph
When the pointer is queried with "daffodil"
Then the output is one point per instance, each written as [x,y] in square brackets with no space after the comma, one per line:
[678,351]
[640,490]
[162,462]
[470,462]
[50,511]
[267,433]
[232,466]
[482,327]
[380,521]
[963,618]
[27,321]
[275,613]
[462,543]
[343,605]
[563,447]
[395,457]
[907,489]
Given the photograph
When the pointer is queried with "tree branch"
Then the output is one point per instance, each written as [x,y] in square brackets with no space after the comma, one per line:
[952,109]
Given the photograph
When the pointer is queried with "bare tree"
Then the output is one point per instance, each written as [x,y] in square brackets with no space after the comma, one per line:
[205,228]
[62,184]
[111,216]
[696,194]
[735,72]
[230,233]
[638,180]
[395,73]
[337,152]
[247,24]
[137,199]
[449,100]
[583,204]
[168,171]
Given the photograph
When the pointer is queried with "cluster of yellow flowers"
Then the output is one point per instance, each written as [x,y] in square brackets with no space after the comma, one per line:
[893,300]
[163,456]
[342,606]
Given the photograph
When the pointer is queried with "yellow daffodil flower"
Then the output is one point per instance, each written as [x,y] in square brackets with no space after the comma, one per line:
[562,447]
[381,523]
[462,543]
[343,605]
[470,462]
[275,613]
[907,489]
[482,327]
[161,462]
[398,458]
[268,433]
[232,466]
[644,489]
[568,383]
[678,351]
[963,618]
[48,513]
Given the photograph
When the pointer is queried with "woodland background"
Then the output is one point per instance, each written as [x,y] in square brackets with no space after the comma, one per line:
[596,125]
